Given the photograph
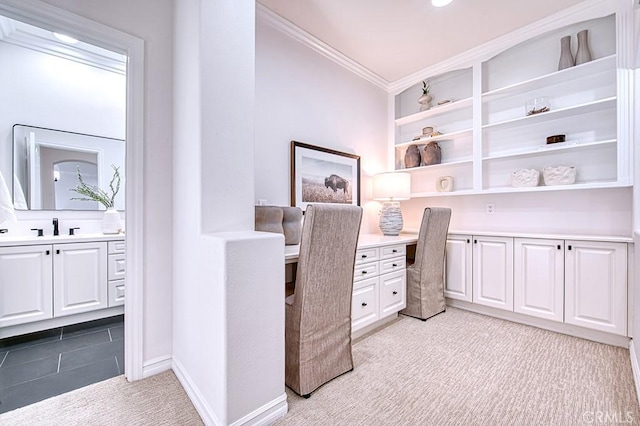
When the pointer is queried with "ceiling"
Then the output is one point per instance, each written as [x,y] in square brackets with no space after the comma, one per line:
[396,38]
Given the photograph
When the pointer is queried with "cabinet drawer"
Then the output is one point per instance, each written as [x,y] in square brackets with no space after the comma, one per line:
[116,293]
[116,267]
[392,293]
[364,271]
[365,255]
[116,247]
[393,251]
[391,265]
[364,306]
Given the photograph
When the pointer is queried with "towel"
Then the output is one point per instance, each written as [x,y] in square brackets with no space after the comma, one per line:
[6,203]
[20,203]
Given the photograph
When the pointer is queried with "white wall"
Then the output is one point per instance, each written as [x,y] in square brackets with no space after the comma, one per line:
[151,21]
[228,297]
[303,96]
[600,212]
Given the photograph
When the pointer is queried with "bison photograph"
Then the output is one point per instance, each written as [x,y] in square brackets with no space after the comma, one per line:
[334,186]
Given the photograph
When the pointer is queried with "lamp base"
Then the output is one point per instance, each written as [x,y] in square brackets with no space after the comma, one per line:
[391,218]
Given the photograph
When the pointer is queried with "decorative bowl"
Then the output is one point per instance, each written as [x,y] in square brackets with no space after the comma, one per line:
[559,175]
[525,177]
[537,105]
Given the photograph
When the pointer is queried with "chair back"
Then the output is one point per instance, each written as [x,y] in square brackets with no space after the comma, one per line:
[324,278]
[432,242]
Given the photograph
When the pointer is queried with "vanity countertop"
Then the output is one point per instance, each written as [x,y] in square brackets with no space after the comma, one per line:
[7,240]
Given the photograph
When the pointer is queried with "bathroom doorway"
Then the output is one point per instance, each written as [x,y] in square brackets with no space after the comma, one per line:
[81,339]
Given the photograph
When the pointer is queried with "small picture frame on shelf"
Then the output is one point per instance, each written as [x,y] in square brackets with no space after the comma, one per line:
[323,175]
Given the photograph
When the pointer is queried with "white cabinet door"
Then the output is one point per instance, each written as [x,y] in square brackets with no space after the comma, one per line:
[458,268]
[364,304]
[25,284]
[493,272]
[80,277]
[393,292]
[538,287]
[596,285]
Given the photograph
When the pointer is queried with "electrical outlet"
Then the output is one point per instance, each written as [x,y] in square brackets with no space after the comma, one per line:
[491,208]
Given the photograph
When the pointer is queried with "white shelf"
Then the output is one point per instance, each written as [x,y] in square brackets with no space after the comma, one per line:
[435,166]
[542,149]
[542,188]
[437,110]
[425,140]
[573,73]
[443,194]
[556,114]
[510,189]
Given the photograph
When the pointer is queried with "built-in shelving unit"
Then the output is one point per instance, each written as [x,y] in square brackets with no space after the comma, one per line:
[486,134]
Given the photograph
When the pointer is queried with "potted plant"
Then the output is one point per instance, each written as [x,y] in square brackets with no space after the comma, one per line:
[111,223]
[425,99]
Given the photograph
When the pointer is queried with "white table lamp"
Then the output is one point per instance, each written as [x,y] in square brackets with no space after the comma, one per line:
[390,188]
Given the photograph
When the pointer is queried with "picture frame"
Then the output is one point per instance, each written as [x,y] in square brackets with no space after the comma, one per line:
[323,175]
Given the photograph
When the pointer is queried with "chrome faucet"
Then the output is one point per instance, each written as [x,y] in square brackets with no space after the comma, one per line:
[55,226]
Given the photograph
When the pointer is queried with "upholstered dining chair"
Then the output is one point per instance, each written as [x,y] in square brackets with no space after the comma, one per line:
[425,277]
[318,314]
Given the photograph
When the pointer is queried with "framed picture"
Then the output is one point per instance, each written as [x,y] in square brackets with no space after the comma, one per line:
[322,175]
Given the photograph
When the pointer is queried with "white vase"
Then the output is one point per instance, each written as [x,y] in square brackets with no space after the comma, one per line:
[425,102]
[111,223]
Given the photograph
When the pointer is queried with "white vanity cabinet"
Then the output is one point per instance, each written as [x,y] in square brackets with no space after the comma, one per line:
[493,272]
[379,284]
[116,270]
[26,284]
[539,278]
[54,281]
[596,285]
[459,263]
[80,276]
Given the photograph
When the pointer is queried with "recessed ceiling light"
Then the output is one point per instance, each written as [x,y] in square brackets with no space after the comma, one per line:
[440,3]
[65,38]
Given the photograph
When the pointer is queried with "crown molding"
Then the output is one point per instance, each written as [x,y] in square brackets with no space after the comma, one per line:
[278,22]
[40,40]
[585,10]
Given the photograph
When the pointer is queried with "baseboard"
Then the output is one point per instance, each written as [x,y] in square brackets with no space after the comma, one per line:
[635,368]
[202,407]
[569,329]
[156,365]
[265,415]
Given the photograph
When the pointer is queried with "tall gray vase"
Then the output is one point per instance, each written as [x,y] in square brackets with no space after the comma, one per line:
[566,58]
[583,54]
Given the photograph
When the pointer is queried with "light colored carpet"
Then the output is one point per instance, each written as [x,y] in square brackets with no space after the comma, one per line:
[461,368]
[458,368]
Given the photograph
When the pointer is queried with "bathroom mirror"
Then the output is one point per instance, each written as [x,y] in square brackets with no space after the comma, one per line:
[46,164]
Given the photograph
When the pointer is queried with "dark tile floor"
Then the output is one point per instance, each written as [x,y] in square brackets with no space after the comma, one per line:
[40,365]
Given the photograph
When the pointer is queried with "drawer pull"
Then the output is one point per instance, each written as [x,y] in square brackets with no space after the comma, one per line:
[364,272]
[394,251]
[364,256]
[395,265]
[364,303]
[395,292]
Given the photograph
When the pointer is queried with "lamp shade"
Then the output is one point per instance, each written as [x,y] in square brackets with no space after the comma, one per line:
[393,186]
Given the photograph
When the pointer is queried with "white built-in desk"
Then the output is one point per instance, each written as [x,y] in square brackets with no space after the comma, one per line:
[380,279]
